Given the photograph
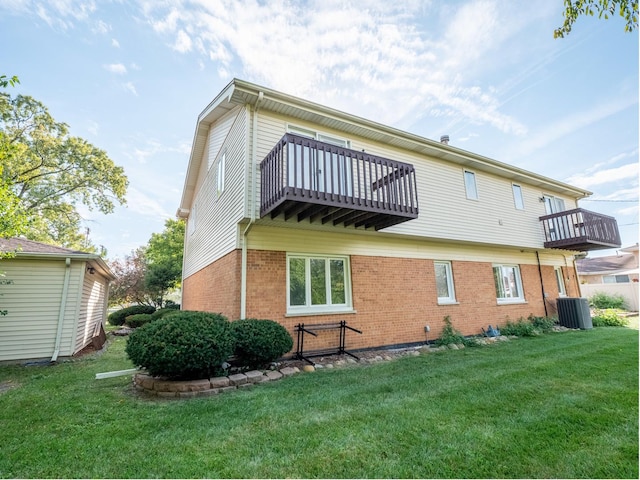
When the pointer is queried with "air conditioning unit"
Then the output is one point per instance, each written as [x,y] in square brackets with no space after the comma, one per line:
[574,313]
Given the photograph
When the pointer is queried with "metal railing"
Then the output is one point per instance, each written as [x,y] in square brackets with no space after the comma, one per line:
[580,229]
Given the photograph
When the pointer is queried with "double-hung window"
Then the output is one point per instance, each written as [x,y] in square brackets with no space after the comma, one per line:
[444,282]
[470,185]
[318,283]
[508,283]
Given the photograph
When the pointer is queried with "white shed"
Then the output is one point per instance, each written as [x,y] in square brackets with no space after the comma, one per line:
[53,301]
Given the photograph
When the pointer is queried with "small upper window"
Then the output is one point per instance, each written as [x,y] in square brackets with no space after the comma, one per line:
[220,179]
[191,222]
[470,185]
[517,197]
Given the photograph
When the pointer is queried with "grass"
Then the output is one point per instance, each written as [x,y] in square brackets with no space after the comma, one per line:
[556,406]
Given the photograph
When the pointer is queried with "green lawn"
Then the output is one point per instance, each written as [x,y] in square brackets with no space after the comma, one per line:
[557,406]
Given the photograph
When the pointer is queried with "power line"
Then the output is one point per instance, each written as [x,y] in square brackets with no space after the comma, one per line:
[602,200]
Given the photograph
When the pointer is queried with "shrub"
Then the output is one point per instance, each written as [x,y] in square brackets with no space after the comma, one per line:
[449,334]
[139,319]
[543,324]
[185,345]
[118,317]
[605,301]
[608,318]
[521,328]
[259,342]
[163,312]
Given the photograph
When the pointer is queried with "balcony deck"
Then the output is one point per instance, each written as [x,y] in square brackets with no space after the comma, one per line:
[303,178]
[580,230]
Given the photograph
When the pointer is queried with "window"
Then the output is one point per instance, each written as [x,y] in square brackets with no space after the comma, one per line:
[553,204]
[562,291]
[517,197]
[220,178]
[444,282]
[318,284]
[508,283]
[319,170]
[191,222]
[615,279]
[470,185]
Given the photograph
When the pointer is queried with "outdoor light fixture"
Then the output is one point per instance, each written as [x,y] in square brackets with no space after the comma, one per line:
[91,270]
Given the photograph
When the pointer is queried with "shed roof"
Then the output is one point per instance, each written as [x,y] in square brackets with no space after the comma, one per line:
[606,265]
[24,248]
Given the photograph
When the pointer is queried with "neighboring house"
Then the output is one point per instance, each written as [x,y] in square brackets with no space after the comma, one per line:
[300,213]
[613,275]
[53,301]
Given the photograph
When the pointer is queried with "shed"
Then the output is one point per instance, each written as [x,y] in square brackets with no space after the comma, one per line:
[53,301]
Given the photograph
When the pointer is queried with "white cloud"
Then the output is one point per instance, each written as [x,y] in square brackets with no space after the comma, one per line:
[183,42]
[101,27]
[115,43]
[92,127]
[117,68]
[141,203]
[129,86]
[619,174]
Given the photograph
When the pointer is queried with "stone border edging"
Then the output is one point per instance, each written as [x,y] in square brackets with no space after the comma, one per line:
[162,387]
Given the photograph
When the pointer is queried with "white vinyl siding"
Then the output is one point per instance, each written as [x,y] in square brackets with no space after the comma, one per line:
[508,283]
[32,294]
[318,284]
[217,216]
[92,309]
[444,282]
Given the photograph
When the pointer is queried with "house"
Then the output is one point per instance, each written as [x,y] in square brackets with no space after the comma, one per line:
[612,274]
[304,214]
[53,301]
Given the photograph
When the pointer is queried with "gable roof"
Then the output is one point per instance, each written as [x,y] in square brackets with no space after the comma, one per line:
[607,265]
[24,248]
[238,93]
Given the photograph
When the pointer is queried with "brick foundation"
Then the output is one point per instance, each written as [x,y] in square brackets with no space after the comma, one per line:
[393,298]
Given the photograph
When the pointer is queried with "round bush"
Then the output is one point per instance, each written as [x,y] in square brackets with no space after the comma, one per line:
[139,319]
[163,312]
[259,342]
[184,345]
[119,317]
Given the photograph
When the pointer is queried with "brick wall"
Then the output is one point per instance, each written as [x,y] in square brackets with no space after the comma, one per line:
[215,288]
[393,298]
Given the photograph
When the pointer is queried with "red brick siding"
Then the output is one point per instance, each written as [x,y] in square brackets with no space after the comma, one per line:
[394,298]
[215,288]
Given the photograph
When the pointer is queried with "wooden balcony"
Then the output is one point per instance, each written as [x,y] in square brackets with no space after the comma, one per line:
[580,230]
[303,178]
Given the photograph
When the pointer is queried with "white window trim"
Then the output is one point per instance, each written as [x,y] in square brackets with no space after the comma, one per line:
[475,184]
[517,187]
[451,299]
[519,286]
[562,287]
[347,307]
[220,174]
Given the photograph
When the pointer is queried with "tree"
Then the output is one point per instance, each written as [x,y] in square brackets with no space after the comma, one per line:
[628,9]
[151,272]
[50,172]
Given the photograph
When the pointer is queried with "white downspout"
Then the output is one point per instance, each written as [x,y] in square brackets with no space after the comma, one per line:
[252,208]
[63,306]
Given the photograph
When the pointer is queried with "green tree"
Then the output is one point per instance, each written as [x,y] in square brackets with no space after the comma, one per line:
[164,260]
[50,172]
[628,9]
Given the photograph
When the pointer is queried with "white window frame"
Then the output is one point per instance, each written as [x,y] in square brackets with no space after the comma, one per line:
[509,298]
[330,307]
[562,289]
[609,279]
[220,169]
[470,184]
[518,197]
[553,204]
[451,298]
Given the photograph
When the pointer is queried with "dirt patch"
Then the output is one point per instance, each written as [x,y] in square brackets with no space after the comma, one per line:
[6,386]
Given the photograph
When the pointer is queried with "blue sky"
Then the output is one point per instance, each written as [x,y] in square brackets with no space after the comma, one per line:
[131,77]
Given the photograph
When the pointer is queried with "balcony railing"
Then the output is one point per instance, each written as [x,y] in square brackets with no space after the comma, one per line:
[580,230]
[305,178]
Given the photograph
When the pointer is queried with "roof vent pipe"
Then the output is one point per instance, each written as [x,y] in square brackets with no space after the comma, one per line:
[444,139]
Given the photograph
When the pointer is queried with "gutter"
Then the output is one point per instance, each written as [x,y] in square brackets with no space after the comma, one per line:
[63,306]
[544,295]
[251,205]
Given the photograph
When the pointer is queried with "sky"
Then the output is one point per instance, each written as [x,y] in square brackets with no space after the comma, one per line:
[131,77]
